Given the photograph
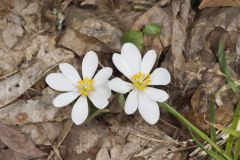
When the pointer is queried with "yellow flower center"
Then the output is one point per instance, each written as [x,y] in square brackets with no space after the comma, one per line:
[141,81]
[85,86]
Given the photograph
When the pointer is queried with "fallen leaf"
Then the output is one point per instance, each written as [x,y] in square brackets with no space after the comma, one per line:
[87,43]
[37,110]
[136,140]
[32,8]
[13,31]
[19,142]
[100,24]
[46,56]
[42,133]
[81,140]
[8,153]
[8,64]
[219,3]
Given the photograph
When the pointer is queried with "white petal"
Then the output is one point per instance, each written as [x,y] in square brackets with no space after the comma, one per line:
[80,110]
[119,85]
[160,76]
[102,76]
[132,55]
[99,96]
[106,88]
[148,61]
[59,82]
[70,72]
[148,109]
[122,65]
[156,94]
[65,99]
[89,64]
[131,103]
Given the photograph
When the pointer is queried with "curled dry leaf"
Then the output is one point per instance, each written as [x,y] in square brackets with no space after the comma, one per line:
[19,142]
[200,103]
[201,49]
[219,3]
[209,28]
[44,56]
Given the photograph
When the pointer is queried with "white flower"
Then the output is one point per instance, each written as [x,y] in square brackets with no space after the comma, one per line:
[137,70]
[69,81]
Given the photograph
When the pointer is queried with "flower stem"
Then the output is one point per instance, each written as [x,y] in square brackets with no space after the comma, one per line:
[194,129]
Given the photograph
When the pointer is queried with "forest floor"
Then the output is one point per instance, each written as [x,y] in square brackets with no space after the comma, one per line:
[35,36]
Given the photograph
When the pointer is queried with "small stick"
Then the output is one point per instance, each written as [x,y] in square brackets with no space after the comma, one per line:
[183,149]
[149,138]
[59,143]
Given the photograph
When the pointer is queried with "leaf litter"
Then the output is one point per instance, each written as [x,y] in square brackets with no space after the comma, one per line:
[33,41]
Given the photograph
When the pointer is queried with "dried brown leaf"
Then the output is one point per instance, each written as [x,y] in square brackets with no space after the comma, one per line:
[19,142]
[8,64]
[43,57]
[81,139]
[37,110]
[42,133]
[100,24]
[7,153]
[87,43]
[32,8]
[13,31]
[219,3]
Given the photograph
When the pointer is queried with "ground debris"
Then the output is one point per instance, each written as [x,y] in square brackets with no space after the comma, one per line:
[19,143]
[35,36]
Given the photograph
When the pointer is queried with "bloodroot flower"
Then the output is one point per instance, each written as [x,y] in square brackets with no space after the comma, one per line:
[69,81]
[137,70]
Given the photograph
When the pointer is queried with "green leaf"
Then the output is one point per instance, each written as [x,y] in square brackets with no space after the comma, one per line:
[209,152]
[94,112]
[227,130]
[135,37]
[212,118]
[224,67]
[237,150]
[236,119]
[121,100]
[152,29]
[195,130]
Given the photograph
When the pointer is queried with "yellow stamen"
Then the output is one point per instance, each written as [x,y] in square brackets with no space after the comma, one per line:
[141,81]
[85,86]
